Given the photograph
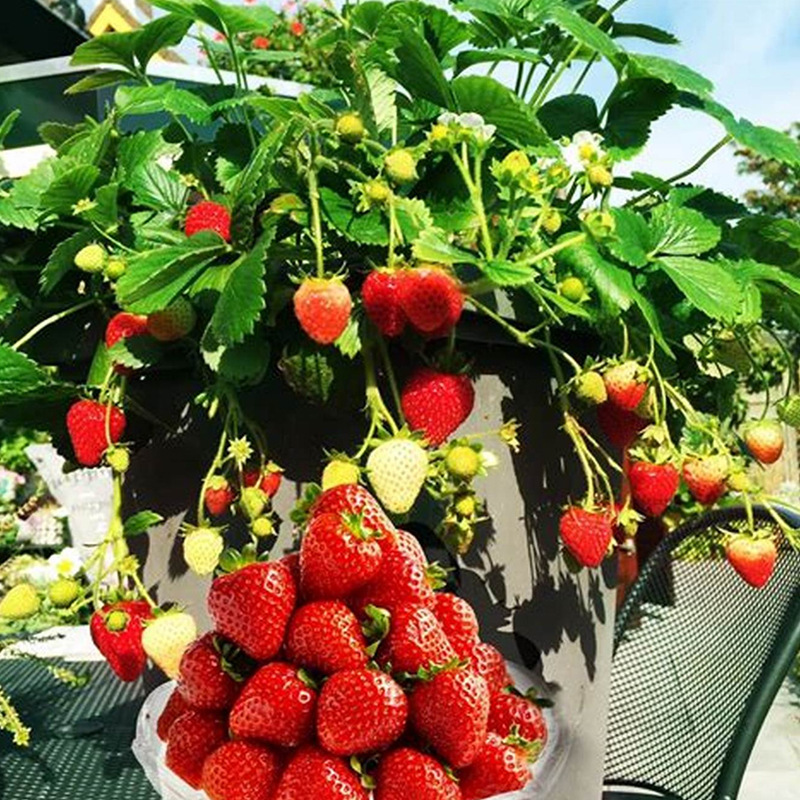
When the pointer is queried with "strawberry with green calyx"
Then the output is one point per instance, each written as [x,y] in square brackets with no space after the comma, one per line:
[340,471]
[115,268]
[500,766]
[20,602]
[789,411]
[209,216]
[313,773]
[252,606]
[354,499]
[191,739]
[374,193]
[408,774]
[116,631]
[764,440]
[241,771]
[218,495]
[91,259]
[450,710]
[380,294]
[338,555]
[63,593]
[211,673]
[174,322]
[119,459]
[86,425]
[400,166]
[572,288]
[513,713]
[322,307]
[360,711]
[437,402]
[202,547]
[463,462]
[262,527]
[253,502]
[706,477]
[752,557]
[652,475]
[176,706]
[416,640]
[457,533]
[325,636]
[589,388]
[277,705]
[552,221]
[166,637]
[350,127]
[626,384]
[271,479]
[397,469]
[587,533]
[431,299]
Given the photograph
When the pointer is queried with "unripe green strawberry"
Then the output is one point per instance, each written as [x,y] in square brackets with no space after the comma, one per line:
[397,469]
[600,225]
[350,127]
[118,459]
[166,638]
[339,473]
[401,166]
[64,592]
[465,505]
[599,175]
[463,462]
[572,289]
[202,548]
[115,268]
[253,501]
[513,167]
[21,602]
[789,411]
[91,258]
[552,220]
[739,481]
[590,388]
[172,323]
[377,192]
[262,527]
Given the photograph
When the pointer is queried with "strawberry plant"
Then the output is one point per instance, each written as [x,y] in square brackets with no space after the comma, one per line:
[375,219]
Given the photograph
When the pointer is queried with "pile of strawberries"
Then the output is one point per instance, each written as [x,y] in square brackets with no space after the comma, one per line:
[339,671]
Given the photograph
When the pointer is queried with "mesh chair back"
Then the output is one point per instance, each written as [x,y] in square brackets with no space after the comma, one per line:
[695,648]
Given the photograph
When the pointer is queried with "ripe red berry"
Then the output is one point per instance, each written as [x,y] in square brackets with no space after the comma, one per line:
[241,771]
[753,559]
[764,440]
[322,307]
[354,499]
[706,477]
[437,403]
[218,496]
[415,641]
[626,385]
[360,711]
[489,663]
[175,706]
[431,299]
[653,486]
[620,427]
[511,713]
[209,216]
[407,774]
[208,679]
[313,773]
[381,296]
[252,607]
[275,706]
[498,768]
[458,621]
[123,326]
[192,738]
[587,534]
[116,630]
[271,480]
[86,424]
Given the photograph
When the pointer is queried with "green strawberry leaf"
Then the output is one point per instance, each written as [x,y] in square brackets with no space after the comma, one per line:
[507,273]
[431,246]
[708,285]
[633,240]
[565,116]
[23,381]
[682,232]
[62,260]
[69,187]
[141,522]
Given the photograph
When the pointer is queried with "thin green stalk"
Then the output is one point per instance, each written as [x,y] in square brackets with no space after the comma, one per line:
[556,248]
[375,401]
[40,326]
[387,363]
[392,232]
[316,217]
[462,164]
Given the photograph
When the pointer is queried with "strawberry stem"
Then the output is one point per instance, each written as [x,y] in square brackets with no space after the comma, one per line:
[316,219]
[375,402]
[387,362]
[50,321]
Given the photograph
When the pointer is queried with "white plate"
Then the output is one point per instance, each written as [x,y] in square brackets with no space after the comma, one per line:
[150,750]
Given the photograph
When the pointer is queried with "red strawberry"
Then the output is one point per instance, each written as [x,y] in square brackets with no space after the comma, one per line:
[338,555]
[458,621]
[764,440]
[241,771]
[252,607]
[431,299]
[175,706]
[218,496]
[404,577]
[620,427]
[325,636]
[313,773]
[381,296]
[271,480]
[753,559]
[292,562]
[436,403]
[208,679]
[415,640]
[322,307]
[407,774]
[86,423]
[498,768]
[123,326]
[355,499]
[193,737]
[706,477]
[587,534]
[511,713]
[451,712]
[116,630]
[275,706]
[653,486]
[360,711]
[489,663]
[209,216]
[626,385]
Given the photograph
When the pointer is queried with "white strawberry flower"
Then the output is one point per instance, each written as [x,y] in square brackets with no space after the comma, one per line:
[41,574]
[67,563]
[584,149]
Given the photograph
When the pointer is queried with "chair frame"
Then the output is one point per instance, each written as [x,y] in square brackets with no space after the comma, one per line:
[773,673]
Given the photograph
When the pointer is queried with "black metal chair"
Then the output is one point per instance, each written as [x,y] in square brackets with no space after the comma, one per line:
[698,659]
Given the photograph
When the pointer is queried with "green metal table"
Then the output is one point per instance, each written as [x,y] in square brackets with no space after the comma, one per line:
[80,740]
